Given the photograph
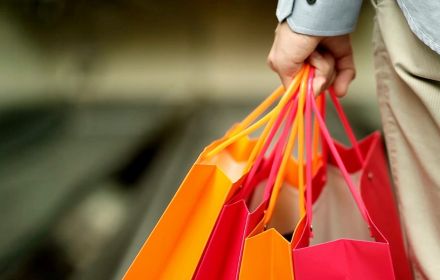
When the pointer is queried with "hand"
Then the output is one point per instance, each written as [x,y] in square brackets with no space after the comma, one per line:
[331,56]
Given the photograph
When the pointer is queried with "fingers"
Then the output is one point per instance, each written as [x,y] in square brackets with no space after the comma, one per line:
[289,51]
[325,70]
[340,47]
[334,65]
[346,73]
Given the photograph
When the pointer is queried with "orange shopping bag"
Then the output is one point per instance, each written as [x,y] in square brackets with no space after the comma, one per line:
[221,259]
[175,246]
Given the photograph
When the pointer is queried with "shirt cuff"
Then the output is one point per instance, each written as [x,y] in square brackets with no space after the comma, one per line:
[322,18]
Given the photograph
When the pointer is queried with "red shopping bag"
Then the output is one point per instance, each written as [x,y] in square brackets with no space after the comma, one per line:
[243,214]
[333,205]
[376,191]
[267,255]
[342,258]
[222,255]
[367,159]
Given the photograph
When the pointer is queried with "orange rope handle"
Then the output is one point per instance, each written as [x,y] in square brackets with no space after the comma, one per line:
[262,139]
[270,100]
[269,118]
[237,136]
[249,119]
[300,116]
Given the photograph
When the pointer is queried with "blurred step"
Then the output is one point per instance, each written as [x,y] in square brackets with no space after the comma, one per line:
[53,167]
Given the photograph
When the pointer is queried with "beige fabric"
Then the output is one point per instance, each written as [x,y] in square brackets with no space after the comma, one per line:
[408,75]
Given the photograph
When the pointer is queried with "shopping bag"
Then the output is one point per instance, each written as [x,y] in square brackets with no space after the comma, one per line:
[365,161]
[174,247]
[342,258]
[176,244]
[263,247]
[222,255]
[223,252]
[367,166]
[376,190]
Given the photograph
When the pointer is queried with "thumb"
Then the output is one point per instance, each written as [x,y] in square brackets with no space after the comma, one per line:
[346,73]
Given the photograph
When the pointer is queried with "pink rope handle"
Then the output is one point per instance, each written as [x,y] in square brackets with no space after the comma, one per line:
[346,124]
[339,162]
[323,114]
[247,188]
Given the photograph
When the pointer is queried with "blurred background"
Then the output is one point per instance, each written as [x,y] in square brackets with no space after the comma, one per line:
[104,106]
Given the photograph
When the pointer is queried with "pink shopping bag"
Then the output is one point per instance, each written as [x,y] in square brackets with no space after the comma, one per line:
[341,258]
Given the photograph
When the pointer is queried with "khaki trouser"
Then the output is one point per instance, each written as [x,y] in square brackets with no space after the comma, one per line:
[408,86]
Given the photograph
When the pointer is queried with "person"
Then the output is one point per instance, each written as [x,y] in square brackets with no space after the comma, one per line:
[407,67]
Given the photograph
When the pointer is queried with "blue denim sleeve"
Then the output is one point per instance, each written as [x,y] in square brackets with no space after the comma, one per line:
[319,17]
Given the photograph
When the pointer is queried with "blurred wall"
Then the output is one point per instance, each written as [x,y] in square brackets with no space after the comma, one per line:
[59,163]
[134,50]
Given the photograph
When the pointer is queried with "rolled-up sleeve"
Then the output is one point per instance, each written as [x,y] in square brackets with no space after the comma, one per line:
[319,17]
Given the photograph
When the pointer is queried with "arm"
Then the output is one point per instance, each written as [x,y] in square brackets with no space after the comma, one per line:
[317,31]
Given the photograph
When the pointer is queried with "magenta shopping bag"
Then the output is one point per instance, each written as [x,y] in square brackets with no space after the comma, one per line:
[376,189]
[341,258]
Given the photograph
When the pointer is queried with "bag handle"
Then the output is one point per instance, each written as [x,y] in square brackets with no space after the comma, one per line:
[308,124]
[326,135]
[290,93]
[279,151]
[275,157]
[248,120]
[345,123]
[300,116]
[316,132]
[288,149]
[247,185]
[258,111]
[347,129]
[269,118]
